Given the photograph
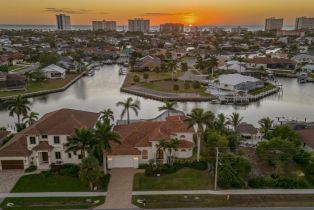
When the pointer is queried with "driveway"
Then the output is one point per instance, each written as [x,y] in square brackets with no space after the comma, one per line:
[8,178]
[119,194]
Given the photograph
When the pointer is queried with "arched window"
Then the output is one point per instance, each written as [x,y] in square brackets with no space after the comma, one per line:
[183,150]
[144,154]
[182,136]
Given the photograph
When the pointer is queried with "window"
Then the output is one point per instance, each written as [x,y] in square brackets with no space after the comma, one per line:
[183,150]
[44,136]
[69,155]
[74,153]
[56,140]
[58,155]
[144,154]
[80,156]
[182,136]
[32,140]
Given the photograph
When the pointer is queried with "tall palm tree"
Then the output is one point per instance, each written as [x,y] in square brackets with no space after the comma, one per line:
[213,63]
[234,119]
[265,125]
[168,106]
[221,122]
[81,140]
[172,65]
[197,119]
[127,105]
[18,106]
[30,118]
[104,136]
[107,114]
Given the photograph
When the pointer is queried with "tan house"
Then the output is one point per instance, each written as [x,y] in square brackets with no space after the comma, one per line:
[139,142]
[43,143]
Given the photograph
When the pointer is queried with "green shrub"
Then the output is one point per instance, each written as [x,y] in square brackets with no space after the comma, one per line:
[136,78]
[69,170]
[145,75]
[196,85]
[278,182]
[176,87]
[31,169]
[187,86]
[257,182]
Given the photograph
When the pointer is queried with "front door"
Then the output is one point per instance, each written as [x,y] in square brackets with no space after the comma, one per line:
[44,156]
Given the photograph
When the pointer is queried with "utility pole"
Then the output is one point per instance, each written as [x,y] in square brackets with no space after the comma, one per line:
[216,168]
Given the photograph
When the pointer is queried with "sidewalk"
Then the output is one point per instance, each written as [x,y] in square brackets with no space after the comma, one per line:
[52,194]
[228,192]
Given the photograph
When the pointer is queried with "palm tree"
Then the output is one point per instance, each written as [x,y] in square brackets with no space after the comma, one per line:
[265,125]
[127,105]
[168,106]
[234,119]
[104,136]
[221,122]
[172,65]
[197,119]
[107,114]
[169,146]
[213,63]
[18,106]
[31,118]
[81,140]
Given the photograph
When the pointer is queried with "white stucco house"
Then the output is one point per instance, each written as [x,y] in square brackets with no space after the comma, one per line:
[234,65]
[43,143]
[54,72]
[139,142]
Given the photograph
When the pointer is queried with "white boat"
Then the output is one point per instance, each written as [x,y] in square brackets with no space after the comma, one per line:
[215,101]
[91,73]
[122,71]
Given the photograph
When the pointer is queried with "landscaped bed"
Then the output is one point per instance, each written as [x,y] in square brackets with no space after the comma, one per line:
[53,203]
[267,87]
[203,201]
[184,179]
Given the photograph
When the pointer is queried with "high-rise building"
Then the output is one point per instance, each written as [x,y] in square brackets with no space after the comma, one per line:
[303,23]
[139,24]
[104,25]
[239,30]
[63,22]
[273,24]
[171,28]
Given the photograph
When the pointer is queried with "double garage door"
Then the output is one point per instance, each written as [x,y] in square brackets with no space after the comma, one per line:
[123,161]
[12,164]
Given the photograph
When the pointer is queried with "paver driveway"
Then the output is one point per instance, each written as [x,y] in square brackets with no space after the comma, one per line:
[8,178]
[119,194]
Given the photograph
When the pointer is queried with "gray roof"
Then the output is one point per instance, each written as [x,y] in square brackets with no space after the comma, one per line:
[234,79]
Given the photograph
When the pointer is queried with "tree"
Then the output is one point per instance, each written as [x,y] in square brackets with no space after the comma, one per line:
[221,122]
[234,119]
[169,146]
[212,63]
[18,106]
[30,118]
[103,137]
[46,59]
[127,105]
[184,66]
[277,152]
[168,106]
[265,126]
[107,115]
[89,172]
[81,141]
[285,132]
[197,119]
[172,65]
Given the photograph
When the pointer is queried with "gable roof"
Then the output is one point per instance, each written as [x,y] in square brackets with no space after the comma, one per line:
[142,134]
[246,128]
[54,68]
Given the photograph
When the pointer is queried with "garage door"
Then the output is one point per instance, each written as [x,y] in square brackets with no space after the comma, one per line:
[122,162]
[12,164]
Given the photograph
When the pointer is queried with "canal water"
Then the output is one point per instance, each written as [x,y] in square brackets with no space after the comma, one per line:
[101,91]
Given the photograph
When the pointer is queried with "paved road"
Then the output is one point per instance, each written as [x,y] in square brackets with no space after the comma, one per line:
[51,194]
[229,192]
[241,208]
[8,178]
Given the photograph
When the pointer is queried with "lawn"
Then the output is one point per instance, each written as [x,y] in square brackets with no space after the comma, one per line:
[49,183]
[207,201]
[153,76]
[167,86]
[267,87]
[53,203]
[184,179]
[41,86]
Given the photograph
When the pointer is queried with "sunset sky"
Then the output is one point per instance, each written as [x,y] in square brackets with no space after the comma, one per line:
[196,12]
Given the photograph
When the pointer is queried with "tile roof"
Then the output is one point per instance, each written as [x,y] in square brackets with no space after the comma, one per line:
[60,122]
[307,136]
[141,134]
[43,145]
[246,128]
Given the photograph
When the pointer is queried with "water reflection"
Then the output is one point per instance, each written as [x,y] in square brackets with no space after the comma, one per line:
[103,91]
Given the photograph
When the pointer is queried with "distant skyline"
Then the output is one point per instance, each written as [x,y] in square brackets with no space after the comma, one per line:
[195,12]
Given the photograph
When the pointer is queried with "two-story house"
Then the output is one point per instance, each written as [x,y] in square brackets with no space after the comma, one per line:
[139,142]
[43,143]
